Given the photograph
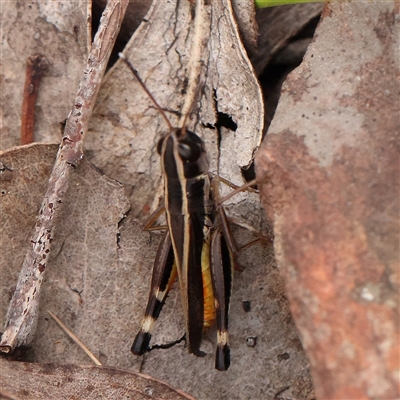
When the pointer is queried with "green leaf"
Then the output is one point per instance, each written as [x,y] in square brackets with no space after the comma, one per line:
[272,3]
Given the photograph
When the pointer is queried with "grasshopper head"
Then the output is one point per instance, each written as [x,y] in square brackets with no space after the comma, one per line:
[183,150]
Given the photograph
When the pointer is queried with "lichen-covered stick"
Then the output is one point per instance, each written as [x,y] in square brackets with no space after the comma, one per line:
[22,314]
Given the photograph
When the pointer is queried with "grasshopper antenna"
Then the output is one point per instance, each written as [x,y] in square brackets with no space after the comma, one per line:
[135,73]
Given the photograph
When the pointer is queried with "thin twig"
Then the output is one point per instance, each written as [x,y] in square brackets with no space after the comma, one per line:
[74,338]
[22,314]
[194,65]
[36,66]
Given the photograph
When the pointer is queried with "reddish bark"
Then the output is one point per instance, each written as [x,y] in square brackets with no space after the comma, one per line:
[333,194]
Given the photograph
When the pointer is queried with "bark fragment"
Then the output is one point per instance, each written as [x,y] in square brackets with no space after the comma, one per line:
[331,155]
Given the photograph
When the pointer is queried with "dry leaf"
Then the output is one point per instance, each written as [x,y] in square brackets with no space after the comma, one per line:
[51,381]
[333,162]
[82,271]
[245,16]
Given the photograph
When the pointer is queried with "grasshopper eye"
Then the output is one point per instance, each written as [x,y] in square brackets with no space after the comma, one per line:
[159,145]
[189,151]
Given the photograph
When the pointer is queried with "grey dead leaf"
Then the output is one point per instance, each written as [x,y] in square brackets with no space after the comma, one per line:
[245,16]
[82,271]
[59,382]
[98,288]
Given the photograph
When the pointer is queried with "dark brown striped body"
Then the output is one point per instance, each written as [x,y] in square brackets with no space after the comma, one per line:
[202,257]
[186,191]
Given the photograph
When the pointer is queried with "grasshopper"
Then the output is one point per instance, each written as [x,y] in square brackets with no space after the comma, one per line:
[198,246]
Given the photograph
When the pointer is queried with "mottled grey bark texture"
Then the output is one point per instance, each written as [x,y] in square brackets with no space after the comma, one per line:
[99,275]
[332,161]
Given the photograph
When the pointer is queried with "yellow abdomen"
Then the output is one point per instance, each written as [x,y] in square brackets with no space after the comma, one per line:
[208,294]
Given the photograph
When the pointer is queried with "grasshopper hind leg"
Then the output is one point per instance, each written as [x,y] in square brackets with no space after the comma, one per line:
[222,264]
[164,275]
[141,344]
